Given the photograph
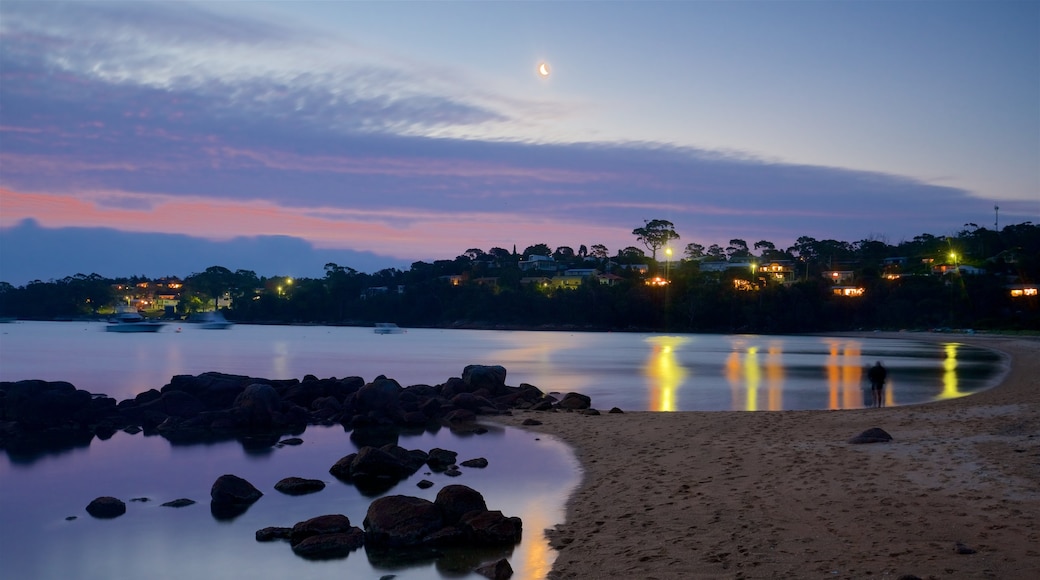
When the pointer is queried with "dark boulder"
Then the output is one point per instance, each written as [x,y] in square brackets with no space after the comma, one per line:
[257,406]
[271,534]
[872,435]
[491,378]
[329,546]
[179,503]
[299,485]
[478,463]
[491,528]
[327,524]
[456,501]
[106,507]
[376,469]
[36,404]
[575,401]
[233,490]
[500,570]
[441,459]
[399,521]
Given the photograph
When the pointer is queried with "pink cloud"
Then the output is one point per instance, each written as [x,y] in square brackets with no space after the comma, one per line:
[402,233]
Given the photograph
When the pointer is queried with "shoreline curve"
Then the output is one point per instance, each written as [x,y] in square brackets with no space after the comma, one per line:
[737,494]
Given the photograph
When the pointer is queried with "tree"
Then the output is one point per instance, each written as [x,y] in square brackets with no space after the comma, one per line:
[694,251]
[537,250]
[737,249]
[600,252]
[655,234]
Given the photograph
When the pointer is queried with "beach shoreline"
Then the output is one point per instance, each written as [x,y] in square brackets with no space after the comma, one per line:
[733,494]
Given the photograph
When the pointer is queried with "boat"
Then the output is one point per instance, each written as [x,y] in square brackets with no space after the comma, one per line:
[388,328]
[132,321]
[215,321]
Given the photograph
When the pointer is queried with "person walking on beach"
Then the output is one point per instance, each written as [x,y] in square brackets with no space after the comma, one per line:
[877,375]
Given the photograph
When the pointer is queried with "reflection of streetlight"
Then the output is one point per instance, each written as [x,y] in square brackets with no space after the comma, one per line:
[667,262]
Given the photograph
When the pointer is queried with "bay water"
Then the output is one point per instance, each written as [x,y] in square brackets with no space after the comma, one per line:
[46,533]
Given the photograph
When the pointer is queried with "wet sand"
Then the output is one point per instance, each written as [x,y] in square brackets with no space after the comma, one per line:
[784,495]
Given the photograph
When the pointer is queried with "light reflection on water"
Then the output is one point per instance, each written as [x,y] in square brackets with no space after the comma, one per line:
[632,371]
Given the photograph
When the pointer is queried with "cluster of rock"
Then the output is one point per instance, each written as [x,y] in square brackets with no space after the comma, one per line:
[396,524]
[41,415]
[458,517]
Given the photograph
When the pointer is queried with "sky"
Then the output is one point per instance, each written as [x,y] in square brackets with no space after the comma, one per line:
[161,138]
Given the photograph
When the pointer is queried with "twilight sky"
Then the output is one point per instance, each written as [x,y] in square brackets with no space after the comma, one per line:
[159,138]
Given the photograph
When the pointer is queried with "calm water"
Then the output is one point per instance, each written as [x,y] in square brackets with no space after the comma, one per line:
[528,476]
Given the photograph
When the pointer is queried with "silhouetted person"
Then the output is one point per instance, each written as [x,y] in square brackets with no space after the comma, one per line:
[877,375]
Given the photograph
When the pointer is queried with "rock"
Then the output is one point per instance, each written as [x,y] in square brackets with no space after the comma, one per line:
[327,524]
[441,459]
[575,401]
[291,441]
[589,412]
[106,507]
[531,422]
[233,490]
[491,378]
[179,503]
[500,570]
[491,528]
[460,416]
[398,521]
[328,546]
[872,435]
[299,485]
[271,534]
[456,501]
[614,410]
[374,470]
[479,463]
[257,405]
[963,549]
[424,484]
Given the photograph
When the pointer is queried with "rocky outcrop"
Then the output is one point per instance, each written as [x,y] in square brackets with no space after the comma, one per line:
[458,517]
[257,411]
[319,538]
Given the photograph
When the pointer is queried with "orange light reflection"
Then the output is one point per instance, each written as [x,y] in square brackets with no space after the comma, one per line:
[664,372]
[844,368]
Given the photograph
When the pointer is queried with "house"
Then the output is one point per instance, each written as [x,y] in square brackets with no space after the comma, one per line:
[851,291]
[1022,290]
[609,279]
[778,271]
[538,281]
[453,279]
[583,272]
[570,282]
[839,276]
[538,264]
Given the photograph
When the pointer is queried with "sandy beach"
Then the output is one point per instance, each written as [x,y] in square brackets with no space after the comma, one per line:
[956,494]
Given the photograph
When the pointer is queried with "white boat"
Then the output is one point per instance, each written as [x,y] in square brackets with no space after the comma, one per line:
[132,321]
[387,328]
[215,321]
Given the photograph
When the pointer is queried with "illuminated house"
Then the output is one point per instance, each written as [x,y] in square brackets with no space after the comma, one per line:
[850,291]
[839,276]
[779,271]
[1022,290]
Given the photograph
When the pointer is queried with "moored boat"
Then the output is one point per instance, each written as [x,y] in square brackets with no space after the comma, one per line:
[387,328]
[215,321]
[132,321]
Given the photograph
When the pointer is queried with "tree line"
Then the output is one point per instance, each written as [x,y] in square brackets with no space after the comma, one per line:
[489,290]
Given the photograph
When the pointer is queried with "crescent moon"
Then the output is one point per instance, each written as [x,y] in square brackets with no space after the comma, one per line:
[543,69]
